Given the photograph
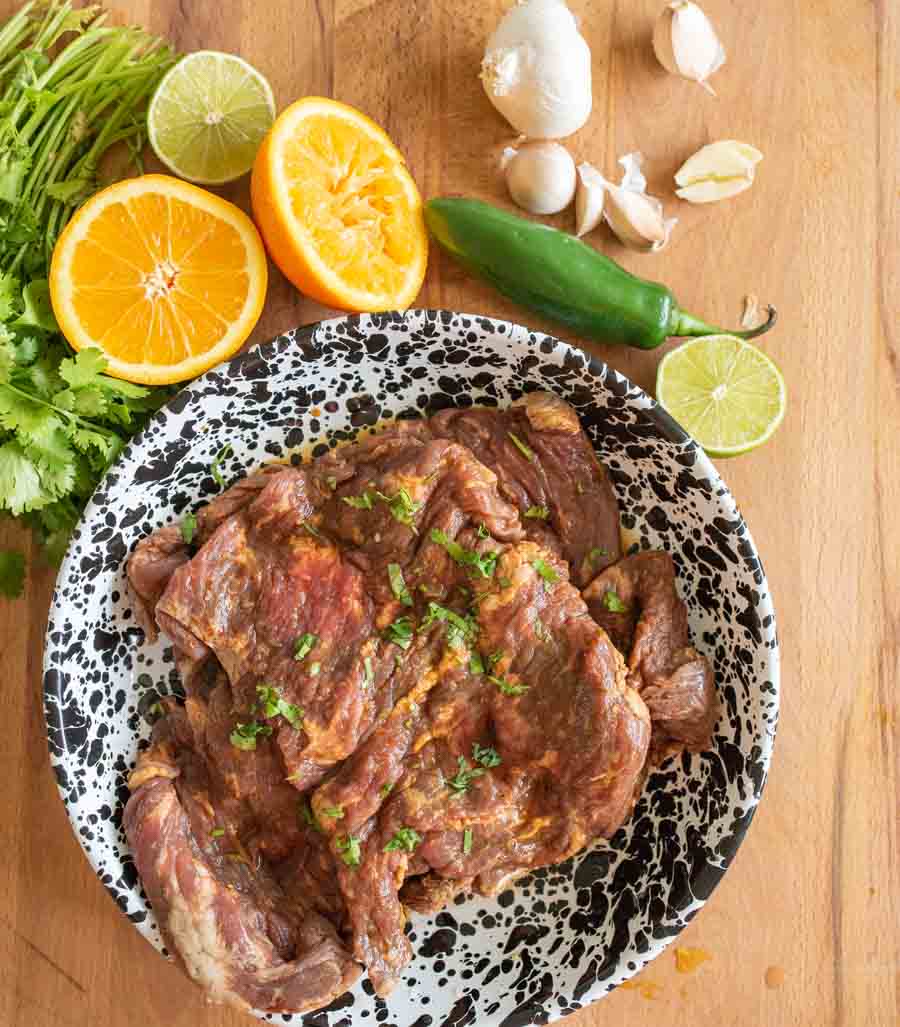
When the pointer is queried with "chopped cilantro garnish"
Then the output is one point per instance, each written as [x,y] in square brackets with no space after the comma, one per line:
[401,506]
[613,603]
[597,554]
[460,782]
[271,704]
[405,840]
[495,657]
[398,584]
[546,571]
[482,531]
[486,755]
[485,564]
[520,446]
[335,812]
[540,630]
[476,664]
[400,632]
[385,790]
[312,529]
[508,687]
[305,644]
[461,631]
[214,467]
[349,849]
[537,513]
[244,735]
[504,582]
[217,832]
[370,674]
[467,841]
[189,527]
[314,668]
[331,482]
[361,502]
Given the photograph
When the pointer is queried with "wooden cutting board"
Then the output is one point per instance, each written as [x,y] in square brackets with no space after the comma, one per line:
[805,928]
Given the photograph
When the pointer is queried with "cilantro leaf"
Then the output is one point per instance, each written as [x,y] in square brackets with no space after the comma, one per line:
[467,841]
[520,446]
[363,501]
[305,645]
[189,527]
[537,513]
[486,755]
[613,603]
[461,631]
[244,735]
[400,632]
[214,470]
[509,687]
[20,481]
[464,776]
[546,571]
[335,812]
[349,849]
[398,584]
[402,507]
[12,573]
[38,312]
[405,840]
[485,564]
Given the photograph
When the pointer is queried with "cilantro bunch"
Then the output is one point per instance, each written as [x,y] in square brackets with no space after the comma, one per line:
[71,88]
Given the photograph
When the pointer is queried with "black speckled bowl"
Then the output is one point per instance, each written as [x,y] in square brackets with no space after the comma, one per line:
[565,935]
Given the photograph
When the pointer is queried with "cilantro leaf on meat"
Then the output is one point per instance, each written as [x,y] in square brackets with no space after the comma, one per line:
[335,812]
[537,513]
[484,564]
[613,603]
[271,704]
[520,446]
[509,687]
[597,554]
[464,776]
[349,848]
[398,584]
[189,527]
[467,841]
[363,501]
[546,571]
[400,632]
[244,735]
[304,645]
[461,631]
[402,507]
[486,755]
[405,840]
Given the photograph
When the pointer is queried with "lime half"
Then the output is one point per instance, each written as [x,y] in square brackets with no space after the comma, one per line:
[208,117]
[723,391]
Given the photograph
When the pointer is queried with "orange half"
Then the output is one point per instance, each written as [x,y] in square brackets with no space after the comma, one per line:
[165,278]
[338,209]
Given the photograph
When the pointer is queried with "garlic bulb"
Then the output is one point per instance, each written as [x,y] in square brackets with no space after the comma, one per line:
[589,192]
[686,44]
[636,218]
[719,170]
[540,177]
[537,70]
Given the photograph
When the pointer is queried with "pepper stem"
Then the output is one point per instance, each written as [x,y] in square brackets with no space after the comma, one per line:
[687,324]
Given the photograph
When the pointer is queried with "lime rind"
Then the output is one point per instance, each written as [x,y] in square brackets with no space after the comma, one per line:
[725,392]
[208,117]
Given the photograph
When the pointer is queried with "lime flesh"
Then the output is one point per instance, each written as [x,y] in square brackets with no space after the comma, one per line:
[208,117]
[725,392]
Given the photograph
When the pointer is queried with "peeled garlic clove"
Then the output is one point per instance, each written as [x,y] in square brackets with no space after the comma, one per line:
[589,192]
[636,218]
[686,44]
[537,70]
[719,170]
[540,177]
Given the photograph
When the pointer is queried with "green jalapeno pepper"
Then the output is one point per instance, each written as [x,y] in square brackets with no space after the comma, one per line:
[562,278]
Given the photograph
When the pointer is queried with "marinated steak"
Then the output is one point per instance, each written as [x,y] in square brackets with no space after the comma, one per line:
[638,605]
[394,693]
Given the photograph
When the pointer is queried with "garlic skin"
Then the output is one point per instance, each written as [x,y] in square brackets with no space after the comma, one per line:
[537,70]
[540,177]
[686,44]
[590,191]
[721,169]
[636,218]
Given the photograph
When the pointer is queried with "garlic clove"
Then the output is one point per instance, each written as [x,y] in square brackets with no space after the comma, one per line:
[717,171]
[590,190]
[686,44]
[536,70]
[636,218]
[540,176]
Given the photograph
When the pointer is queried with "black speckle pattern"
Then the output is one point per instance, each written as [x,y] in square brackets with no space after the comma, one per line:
[565,935]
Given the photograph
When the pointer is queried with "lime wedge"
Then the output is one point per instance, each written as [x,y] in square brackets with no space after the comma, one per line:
[208,117]
[723,391]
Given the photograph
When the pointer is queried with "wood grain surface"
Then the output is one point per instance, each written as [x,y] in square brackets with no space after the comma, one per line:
[805,928]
